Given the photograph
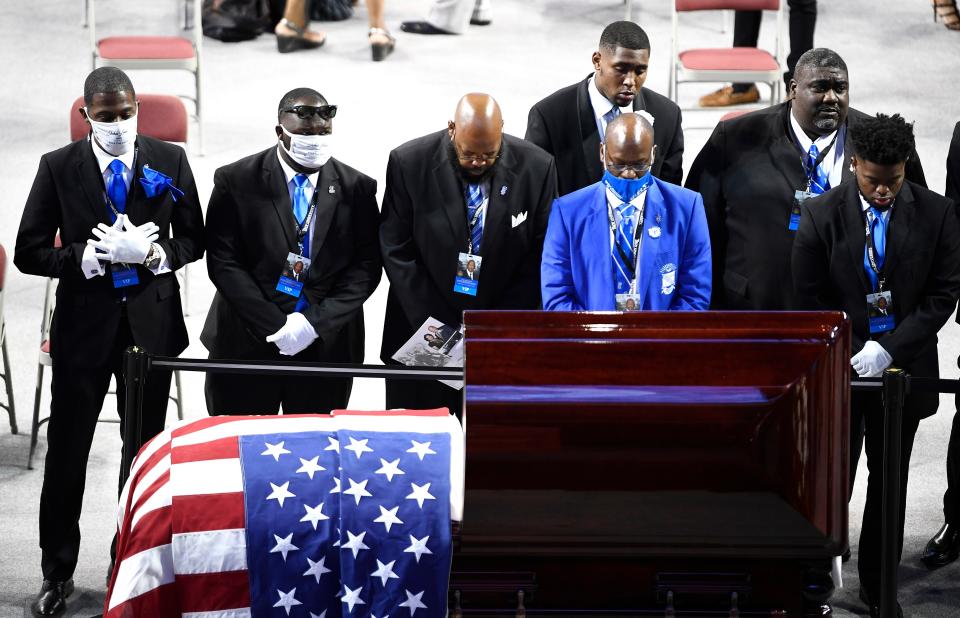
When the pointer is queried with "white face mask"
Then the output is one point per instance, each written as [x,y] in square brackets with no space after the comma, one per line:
[115,137]
[311,151]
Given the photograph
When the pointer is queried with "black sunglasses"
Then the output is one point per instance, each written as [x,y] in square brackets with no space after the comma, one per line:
[303,112]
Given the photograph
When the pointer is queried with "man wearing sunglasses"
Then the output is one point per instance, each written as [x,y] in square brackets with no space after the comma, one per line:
[631,241]
[291,203]
[464,193]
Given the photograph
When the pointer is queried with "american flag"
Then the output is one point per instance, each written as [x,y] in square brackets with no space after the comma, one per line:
[301,516]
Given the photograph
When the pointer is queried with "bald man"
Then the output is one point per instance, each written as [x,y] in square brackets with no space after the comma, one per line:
[467,192]
[630,241]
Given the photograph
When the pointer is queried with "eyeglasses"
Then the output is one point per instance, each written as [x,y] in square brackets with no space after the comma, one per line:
[478,158]
[639,169]
[304,112]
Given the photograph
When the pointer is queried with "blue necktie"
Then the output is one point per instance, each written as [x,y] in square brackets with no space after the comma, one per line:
[878,234]
[117,189]
[300,208]
[607,119]
[474,202]
[820,182]
[624,259]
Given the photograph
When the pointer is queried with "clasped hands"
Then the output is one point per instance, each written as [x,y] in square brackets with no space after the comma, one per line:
[123,243]
[871,361]
[294,336]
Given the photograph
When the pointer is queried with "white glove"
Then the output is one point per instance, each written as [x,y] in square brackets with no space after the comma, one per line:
[871,360]
[89,263]
[124,243]
[295,336]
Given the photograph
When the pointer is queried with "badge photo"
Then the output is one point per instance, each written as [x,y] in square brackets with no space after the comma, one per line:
[468,274]
[293,275]
[628,302]
[880,312]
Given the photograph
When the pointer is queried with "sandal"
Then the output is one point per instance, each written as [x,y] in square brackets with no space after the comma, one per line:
[946,10]
[289,43]
[381,50]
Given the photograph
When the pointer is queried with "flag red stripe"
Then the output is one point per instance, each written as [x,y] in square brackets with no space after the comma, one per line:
[207,512]
[214,591]
[157,603]
[441,412]
[224,448]
[151,531]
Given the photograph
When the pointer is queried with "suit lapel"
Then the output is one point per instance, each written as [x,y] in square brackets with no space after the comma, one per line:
[136,209]
[598,265]
[853,226]
[448,193]
[498,208]
[91,182]
[589,136]
[276,183]
[899,227]
[329,195]
[784,153]
[650,247]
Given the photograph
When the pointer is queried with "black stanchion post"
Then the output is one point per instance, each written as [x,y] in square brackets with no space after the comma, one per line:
[895,383]
[135,365]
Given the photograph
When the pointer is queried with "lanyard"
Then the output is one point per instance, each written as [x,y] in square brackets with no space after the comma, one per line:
[872,255]
[473,222]
[810,171]
[637,240]
[303,227]
[106,198]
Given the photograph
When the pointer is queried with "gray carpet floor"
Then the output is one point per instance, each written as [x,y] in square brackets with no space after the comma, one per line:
[899,62]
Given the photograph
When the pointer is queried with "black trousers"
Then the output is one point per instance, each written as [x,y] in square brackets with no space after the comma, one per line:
[803,22]
[78,393]
[866,430]
[239,394]
[951,498]
[424,395]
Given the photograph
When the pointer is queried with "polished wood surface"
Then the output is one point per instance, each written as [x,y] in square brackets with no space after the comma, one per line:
[644,439]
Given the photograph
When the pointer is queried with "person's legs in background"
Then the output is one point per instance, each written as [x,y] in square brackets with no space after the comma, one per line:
[292,33]
[381,42]
[450,17]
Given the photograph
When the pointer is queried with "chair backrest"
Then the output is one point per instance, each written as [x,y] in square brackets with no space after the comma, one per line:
[193,7]
[727,5]
[161,116]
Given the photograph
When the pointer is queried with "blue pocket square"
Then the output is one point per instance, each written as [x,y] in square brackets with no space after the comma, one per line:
[155,183]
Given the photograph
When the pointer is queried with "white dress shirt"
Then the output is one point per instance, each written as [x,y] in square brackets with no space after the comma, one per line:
[601,105]
[308,190]
[89,264]
[832,164]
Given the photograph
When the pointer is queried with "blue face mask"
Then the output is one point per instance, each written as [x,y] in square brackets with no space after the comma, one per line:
[627,188]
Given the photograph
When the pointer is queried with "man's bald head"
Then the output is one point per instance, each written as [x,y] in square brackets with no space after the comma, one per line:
[476,132]
[628,146]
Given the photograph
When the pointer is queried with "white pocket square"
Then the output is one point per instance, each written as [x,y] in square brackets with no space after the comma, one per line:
[518,219]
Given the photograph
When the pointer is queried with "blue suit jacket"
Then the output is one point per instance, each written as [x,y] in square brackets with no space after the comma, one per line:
[577,270]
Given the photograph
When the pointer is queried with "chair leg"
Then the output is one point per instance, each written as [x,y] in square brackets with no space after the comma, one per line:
[186,290]
[200,149]
[35,426]
[8,381]
[176,379]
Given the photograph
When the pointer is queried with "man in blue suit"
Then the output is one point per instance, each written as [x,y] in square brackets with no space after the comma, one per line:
[630,241]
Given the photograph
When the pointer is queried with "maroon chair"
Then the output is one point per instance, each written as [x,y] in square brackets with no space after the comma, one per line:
[6,367]
[161,116]
[727,64]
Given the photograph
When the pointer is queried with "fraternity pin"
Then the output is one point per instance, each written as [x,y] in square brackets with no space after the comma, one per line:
[654,232]
[657,218]
[331,189]
[503,190]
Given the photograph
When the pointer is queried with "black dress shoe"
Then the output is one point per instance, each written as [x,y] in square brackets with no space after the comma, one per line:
[875,607]
[943,548]
[421,27]
[478,21]
[52,600]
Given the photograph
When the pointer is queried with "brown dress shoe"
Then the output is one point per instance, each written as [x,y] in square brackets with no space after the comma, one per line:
[726,97]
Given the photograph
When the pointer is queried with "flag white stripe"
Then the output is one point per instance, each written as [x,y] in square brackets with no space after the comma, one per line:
[214,476]
[158,500]
[160,440]
[151,477]
[212,551]
[141,573]
[242,612]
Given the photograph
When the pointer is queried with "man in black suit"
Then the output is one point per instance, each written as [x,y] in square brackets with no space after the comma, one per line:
[755,170]
[881,236]
[114,197]
[290,202]
[570,123]
[468,190]
[944,547]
